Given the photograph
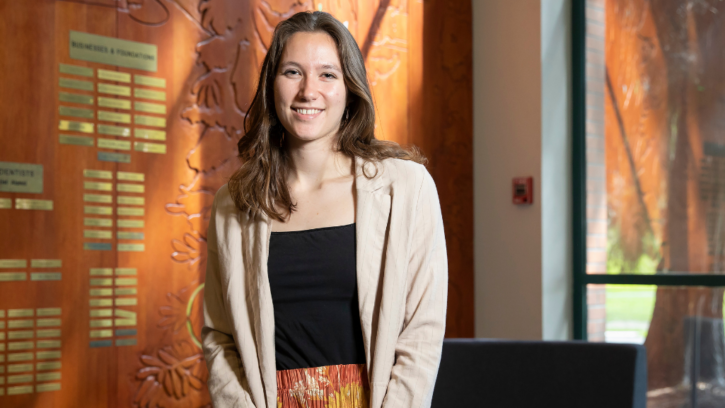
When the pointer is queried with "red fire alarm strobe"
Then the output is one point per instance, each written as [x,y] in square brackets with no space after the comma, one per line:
[523,190]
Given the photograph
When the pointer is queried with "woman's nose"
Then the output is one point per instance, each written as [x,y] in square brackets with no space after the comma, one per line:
[308,88]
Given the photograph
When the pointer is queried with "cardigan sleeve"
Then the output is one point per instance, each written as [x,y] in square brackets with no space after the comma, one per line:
[420,343]
[227,383]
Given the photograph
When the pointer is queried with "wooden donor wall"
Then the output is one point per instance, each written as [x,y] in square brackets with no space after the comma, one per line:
[119,121]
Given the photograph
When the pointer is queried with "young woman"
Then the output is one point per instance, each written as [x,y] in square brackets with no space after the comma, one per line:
[327,276]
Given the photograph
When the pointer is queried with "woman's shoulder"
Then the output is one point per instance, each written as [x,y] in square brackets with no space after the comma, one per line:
[223,200]
[401,173]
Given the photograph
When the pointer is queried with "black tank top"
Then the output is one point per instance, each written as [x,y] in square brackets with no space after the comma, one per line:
[313,280]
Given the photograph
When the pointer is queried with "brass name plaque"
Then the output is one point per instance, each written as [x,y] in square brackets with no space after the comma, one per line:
[47,355]
[97,222]
[100,302]
[126,302]
[101,272]
[124,291]
[130,235]
[97,234]
[114,103]
[126,282]
[101,333]
[102,323]
[20,324]
[101,282]
[76,70]
[92,185]
[13,276]
[124,313]
[114,144]
[46,333]
[48,344]
[149,81]
[45,276]
[149,134]
[13,263]
[92,209]
[77,112]
[114,130]
[97,198]
[18,379]
[47,377]
[128,176]
[75,98]
[97,246]
[101,292]
[149,121]
[46,263]
[6,203]
[20,345]
[83,127]
[101,312]
[75,84]
[114,117]
[119,90]
[130,223]
[149,147]
[54,365]
[23,389]
[113,51]
[130,188]
[21,177]
[28,204]
[130,211]
[18,335]
[20,368]
[76,140]
[48,322]
[114,157]
[21,313]
[114,76]
[125,342]
[49,311]
[130,200]
[126,271]
[150,107]
[149,94]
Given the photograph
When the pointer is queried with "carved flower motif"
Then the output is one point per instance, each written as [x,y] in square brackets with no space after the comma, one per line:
[173,374]
[174,314]
[191,250]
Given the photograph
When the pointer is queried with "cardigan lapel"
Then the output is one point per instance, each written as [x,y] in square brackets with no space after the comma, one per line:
[373,212]
[259,231]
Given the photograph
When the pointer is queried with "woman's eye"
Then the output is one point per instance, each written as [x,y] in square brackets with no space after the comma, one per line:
[291,72]
[329,76]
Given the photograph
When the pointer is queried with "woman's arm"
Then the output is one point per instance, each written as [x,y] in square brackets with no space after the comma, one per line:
[227,383]
[419,346]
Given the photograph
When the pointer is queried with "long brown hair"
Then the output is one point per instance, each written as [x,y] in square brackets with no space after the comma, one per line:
[260,183]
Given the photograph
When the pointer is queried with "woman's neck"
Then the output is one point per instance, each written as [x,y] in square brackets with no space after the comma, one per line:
[315,162]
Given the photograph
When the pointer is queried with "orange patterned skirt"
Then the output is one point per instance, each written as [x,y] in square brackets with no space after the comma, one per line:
[338,386]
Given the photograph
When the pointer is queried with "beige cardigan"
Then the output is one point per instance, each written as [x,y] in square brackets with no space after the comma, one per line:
[402,276]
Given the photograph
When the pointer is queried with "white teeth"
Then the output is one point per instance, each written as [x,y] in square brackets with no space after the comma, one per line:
[308,111]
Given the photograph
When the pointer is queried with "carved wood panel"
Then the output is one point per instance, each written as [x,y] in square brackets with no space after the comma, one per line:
[112,317]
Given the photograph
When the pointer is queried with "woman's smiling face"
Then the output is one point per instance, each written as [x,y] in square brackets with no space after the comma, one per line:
[309,89]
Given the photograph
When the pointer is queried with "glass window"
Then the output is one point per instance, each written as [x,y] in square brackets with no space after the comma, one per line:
[650,122]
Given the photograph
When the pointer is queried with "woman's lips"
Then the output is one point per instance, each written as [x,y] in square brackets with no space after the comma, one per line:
[307,113]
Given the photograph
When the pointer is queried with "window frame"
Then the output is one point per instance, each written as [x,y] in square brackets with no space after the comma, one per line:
[579,194]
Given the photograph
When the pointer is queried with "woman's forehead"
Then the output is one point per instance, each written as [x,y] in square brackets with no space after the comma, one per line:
[311,50]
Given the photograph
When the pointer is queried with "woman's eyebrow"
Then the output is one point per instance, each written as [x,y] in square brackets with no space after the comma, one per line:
[286,63]
[331,66]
